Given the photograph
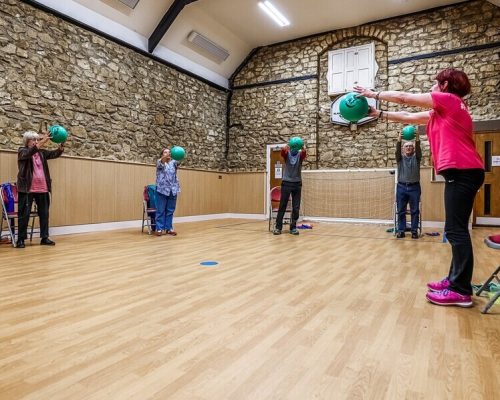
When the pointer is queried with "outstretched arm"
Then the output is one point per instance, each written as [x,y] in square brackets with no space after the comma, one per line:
[423,100]
[417,118]
[25,153]
[418,149]
[398,149]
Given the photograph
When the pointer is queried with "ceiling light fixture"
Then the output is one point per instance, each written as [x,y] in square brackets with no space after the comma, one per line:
[273,12]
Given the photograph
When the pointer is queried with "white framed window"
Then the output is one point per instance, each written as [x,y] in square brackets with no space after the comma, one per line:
[351,66]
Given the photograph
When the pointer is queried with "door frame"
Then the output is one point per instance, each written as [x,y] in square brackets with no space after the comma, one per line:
[491,126]
[269,147]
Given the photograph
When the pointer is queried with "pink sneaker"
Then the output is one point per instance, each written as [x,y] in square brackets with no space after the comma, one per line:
[437,286]
[449,298]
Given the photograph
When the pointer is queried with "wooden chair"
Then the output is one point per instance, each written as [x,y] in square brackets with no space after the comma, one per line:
[274,203]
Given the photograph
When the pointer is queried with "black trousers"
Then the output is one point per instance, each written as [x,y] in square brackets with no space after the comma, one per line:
[459,192]
[42,201]
[287,189]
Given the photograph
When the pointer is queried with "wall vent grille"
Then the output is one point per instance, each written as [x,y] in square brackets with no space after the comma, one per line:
[206,44]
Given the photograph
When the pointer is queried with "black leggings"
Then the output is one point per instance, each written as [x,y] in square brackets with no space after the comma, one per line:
[287,189]
[459,192]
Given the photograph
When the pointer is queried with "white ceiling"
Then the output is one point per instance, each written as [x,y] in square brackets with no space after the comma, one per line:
[236,25]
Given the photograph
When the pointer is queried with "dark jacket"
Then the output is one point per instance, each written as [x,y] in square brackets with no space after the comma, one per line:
[25,165]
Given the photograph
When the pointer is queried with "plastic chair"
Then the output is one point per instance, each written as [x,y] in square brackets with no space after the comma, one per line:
[149,208]
[10,200]
[274,203]
[493,242]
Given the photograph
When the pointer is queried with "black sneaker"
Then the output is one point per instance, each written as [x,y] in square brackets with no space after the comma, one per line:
[400,235]
[277,231]
[47,242]
[20,244]
[294,231]
[414,235]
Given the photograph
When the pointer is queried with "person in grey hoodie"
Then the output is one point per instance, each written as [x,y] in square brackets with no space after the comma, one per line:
[290,185]
[408,187]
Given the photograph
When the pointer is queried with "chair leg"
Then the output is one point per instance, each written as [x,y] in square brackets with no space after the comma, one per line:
[485,284]
[11,232]
[491,302]
[270,219]
[420,223]
[32,227]
[395,225]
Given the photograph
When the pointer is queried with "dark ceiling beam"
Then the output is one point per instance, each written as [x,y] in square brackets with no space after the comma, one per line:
[165,23]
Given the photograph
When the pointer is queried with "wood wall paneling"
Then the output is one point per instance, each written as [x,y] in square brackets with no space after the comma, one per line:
[95,191]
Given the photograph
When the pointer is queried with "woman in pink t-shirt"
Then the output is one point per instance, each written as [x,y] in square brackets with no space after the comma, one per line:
[450,133]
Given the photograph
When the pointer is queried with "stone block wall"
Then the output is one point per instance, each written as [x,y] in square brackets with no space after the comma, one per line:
[121,105]
[117,103]
[273,112]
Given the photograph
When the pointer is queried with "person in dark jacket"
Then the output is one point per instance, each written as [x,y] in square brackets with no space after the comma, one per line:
[34,183]
[290,185]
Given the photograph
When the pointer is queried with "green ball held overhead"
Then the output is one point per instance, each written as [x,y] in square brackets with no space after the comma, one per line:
[353,107]
[58,134]
[178,153]
[408,132]
[295,143]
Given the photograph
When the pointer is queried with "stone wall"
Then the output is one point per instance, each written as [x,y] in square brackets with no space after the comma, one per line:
[121,105]
[117,103]
[272,113]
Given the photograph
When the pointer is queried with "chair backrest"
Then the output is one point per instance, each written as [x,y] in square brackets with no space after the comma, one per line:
[9,196]
[149,195]
[276,193]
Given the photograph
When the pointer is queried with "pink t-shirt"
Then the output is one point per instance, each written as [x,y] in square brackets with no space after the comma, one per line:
[39,183]
[450,134]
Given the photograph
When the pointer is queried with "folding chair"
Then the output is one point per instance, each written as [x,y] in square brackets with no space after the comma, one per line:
[9,202]
[149,208]
[274,203]
[493,242]
[408,213]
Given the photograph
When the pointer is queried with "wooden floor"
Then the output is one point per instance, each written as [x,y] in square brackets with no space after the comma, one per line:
[338,312]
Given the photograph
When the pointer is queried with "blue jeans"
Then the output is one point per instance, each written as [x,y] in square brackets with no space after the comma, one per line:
[165,207]
[408,193]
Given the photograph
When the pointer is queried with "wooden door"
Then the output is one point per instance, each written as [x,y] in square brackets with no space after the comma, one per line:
[277,167]
[487,203]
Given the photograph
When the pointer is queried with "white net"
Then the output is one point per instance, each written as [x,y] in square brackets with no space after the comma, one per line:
[365,194]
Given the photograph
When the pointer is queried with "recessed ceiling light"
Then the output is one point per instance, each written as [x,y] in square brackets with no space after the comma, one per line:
[273,12]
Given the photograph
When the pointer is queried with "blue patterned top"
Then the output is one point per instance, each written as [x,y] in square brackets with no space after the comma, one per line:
[166,178]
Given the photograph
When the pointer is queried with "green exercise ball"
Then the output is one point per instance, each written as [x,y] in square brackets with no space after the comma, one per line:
[353,107]
[409,132]
[178,153]
[58,134]
[296,143]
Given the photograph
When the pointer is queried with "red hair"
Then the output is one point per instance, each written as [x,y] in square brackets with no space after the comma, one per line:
[458,82]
